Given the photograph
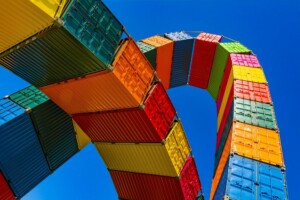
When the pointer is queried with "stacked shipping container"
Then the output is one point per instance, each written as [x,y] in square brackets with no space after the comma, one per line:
[74,54]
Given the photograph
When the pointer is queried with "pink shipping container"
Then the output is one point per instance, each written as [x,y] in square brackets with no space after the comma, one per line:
[144,186]
[148,123]
[244,60]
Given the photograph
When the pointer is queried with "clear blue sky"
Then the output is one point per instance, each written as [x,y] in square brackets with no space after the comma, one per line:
[269,27]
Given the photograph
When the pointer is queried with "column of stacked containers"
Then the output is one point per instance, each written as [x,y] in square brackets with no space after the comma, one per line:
[76,53]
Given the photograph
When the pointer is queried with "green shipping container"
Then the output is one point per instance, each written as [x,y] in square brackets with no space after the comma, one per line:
[149,51]
[54,127]
[83,40]
[220,60]
[254,113]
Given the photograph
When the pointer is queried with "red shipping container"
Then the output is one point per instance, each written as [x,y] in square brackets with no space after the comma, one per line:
[144,186]
[148,123]
[225,116]
[252,91]
[244,60]
[5,191]
[203,57]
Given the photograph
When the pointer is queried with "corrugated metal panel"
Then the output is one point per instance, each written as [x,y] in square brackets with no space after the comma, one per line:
[138,186]
[220,60]
[223,85]
[149,158]
[257,143]
[252,91]
[249,179]
[5,191]
[50,57]
[221,189]
[82,41]
[221,165]
[29,97]
[254,113]
[125,87]
[226,97]
[154,121]
[9,110]
[181,62]
[163,57]
[249,74]
[244,60]
[81,136]
[149,51]
[222,138]
[21,19]
[56,133]
[189,180]
[144,186]
[178,36]
[21,157]
[203,56]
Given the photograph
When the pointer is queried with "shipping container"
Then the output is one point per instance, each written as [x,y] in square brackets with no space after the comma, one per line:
[22,160]
[244,60]
[54,126]
[249,74]
[228,91]
[82,138]
[220,126]
[165,158]
[254,113]
[149,51]
[244,178]
[252,91]
[164,57]
[125,87]
[257,143]
[147,123]
[220,59]
[203,56]
[182,55]
[21,19]
[83,40]
[220,166]
[144,186]
[5,191]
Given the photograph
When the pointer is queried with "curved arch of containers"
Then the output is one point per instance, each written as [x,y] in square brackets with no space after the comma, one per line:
[91,82]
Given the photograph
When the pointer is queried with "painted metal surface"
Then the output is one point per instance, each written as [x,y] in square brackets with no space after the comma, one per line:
[22,160]
[149,51]
[181,62]
[5,191]
[125,87]
[163,57]
[166,159]
[178,36]
[244,60]
[82,138]
[244,178]
[254,113]
[145,186]
[220,60]
[9,110]
[24,18]
[154,119]
[252,91]
[203,56]
[249,74]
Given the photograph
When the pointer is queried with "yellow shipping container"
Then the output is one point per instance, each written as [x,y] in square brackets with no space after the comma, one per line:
[21,19]
[257,143]
[225,98]
[221,166]
[82,138]
[166,158]
[249,74]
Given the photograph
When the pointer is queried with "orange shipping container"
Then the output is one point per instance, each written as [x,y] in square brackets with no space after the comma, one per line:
[163,58]
[125,86]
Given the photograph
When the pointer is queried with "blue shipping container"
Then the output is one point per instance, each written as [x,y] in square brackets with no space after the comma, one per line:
[22,160]
[244,178]
[181,62]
